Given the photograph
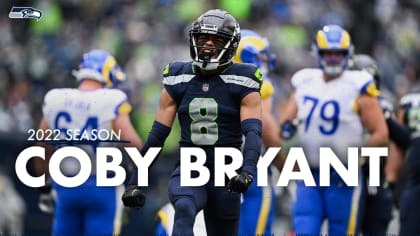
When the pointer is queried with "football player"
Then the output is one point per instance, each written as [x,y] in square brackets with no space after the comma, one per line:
[378,205]
[165,221]
[257,207]
[217,101]
[332,105]
[409,202]
[95,104]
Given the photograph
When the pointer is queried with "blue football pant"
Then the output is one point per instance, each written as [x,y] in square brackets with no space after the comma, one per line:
[338,203]
[221,208]
[87,210]
[410,210]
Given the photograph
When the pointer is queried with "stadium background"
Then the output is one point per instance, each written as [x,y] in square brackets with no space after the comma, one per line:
[36,56]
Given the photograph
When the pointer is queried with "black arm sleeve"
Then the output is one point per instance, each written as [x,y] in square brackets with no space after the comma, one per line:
[398,133]
[156,138]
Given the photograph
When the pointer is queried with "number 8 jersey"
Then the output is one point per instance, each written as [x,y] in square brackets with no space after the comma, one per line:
[327,111]
[209,107]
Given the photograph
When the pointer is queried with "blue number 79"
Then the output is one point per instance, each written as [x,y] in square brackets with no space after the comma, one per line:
[333,119]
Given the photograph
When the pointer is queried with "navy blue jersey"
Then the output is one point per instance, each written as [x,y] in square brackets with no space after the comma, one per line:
[411,105]
[209,107]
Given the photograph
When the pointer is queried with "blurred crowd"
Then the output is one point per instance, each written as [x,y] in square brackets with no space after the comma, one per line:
[146,35]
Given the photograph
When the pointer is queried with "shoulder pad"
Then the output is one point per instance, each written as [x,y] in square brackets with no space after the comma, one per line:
[247,75]
[267,89]
[410,100]
[365,82]
[54,95]
[116,94]
[245,69]
[304,75]
[177,68]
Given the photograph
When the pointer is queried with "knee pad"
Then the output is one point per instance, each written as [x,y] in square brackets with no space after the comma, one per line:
[185,208]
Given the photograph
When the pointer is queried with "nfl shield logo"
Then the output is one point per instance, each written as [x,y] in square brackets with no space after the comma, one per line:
[205,87]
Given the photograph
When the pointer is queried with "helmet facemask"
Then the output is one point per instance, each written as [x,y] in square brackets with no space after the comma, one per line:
[223,30]
[333,62]
[210,58]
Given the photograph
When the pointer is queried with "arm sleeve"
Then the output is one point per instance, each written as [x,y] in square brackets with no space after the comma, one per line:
[252,148]
[398,134]
[156,138]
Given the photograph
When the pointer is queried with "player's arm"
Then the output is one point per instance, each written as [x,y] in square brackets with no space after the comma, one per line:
[133,196]
[128,133]
[395,159]
[167,109]
[164,119]
[270,131]
[41,165]
[394,163]
[290,112]
[123,124]
[398,134]
[288,118]
[373,120]
[46,200]
[251,127]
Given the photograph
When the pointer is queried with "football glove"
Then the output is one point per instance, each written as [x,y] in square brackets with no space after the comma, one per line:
[240,183]
[47,198]
[393,188]
[288,129]
[133,197]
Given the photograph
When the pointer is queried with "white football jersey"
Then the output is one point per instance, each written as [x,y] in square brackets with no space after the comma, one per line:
[327,111]
[77,112]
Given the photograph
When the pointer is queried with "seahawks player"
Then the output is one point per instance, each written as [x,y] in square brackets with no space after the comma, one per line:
[409,202]
[217,101]
[378,206]
[333,106]
[95,104]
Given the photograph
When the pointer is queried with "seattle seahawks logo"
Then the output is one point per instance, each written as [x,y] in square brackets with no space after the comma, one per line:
[25,13]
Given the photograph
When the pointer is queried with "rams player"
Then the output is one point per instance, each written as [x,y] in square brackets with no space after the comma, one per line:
[257,207]
[95,104]
[217,101]
[332,105]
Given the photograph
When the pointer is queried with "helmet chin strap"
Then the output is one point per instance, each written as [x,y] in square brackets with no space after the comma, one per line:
[206,58]
[206,65]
